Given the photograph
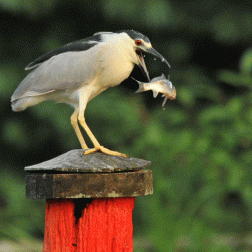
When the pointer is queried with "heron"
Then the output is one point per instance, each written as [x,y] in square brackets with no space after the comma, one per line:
[79,71]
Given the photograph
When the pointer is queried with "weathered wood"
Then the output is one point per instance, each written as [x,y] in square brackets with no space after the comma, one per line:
[89,185]
[75,161]
[74,175]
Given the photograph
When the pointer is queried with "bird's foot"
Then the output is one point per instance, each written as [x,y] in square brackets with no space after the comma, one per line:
[104,150]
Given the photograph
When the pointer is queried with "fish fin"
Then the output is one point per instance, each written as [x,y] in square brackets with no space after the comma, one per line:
[163,76]
[155,93]
[165,99]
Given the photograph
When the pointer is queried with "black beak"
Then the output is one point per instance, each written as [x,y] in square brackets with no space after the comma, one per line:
[157,54]
[142,65]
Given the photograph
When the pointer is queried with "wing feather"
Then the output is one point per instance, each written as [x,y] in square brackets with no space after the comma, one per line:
[65,71]
[80,45]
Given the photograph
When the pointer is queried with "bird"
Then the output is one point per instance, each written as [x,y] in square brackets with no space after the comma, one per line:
[79,71]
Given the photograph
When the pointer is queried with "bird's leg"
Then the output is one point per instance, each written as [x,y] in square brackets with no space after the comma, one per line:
[74,122]
[97,146]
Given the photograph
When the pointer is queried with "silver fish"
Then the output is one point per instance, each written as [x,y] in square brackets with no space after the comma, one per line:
[158,85]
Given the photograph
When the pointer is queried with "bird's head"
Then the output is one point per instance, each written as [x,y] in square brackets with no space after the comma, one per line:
[142,44]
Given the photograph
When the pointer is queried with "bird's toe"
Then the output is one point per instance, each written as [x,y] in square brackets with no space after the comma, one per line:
[105,151]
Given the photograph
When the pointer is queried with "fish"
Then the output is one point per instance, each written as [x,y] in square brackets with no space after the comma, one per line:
[158,85]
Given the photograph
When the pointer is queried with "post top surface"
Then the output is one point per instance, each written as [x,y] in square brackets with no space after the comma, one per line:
[75,161]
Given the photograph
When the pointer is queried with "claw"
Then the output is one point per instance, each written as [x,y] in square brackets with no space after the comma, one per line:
[104,150]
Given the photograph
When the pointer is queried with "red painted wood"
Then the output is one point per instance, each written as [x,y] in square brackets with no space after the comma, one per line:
[104,226]
[60,228]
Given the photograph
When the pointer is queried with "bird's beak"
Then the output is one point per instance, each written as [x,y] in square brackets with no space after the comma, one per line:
[142,65]
[157,54]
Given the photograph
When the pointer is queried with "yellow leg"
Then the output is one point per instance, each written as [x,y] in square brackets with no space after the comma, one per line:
[74,122]
[97,146]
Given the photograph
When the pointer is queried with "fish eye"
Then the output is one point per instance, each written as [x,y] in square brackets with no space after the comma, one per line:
[138,42]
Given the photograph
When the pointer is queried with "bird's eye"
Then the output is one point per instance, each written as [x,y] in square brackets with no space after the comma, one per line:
[138,42]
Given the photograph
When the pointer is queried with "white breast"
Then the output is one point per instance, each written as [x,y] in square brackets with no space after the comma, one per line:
[117,64]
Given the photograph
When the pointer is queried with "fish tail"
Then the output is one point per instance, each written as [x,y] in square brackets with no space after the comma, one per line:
[139,82]
[141,86]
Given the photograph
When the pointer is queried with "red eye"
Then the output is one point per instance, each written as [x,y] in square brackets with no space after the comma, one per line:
[138,42]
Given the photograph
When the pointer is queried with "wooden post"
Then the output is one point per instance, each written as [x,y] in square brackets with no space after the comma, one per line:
[89,200]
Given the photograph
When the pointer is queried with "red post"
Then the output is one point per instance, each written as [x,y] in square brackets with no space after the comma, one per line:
[89,200]
[105,225]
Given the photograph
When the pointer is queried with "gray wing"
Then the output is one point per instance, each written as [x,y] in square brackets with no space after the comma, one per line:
[80,45]
[63,71]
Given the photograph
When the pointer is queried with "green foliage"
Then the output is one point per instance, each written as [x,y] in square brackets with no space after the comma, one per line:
[20,218]
[200,145]
[33,7]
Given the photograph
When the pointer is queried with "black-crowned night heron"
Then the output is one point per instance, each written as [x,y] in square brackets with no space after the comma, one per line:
[79,71]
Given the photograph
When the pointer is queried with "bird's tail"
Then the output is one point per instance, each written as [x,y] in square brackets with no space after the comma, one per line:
[22,103]
[18,105]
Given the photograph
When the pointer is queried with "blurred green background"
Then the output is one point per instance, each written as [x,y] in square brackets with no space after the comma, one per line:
[200,146]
